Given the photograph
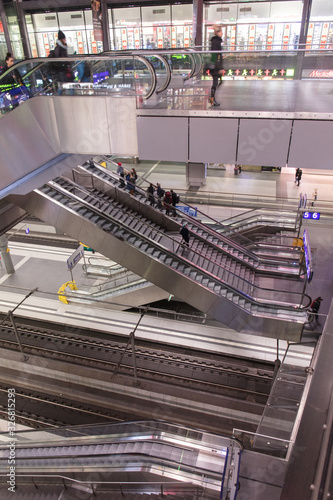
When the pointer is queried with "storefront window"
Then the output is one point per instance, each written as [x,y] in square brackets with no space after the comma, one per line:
[320,30]
[126,31]
[156,27]
[14,32]
[181,29]
[256,25]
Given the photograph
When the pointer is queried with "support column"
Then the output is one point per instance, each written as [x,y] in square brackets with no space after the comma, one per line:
[5,27]
[23,29]
[197,22]
[307,4]
[105,26]
[5,255]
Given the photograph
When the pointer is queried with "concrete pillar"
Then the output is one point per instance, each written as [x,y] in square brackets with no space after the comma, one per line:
[23,29]
[5,27]
[5,256]
[105,25]
[302,37]
[197,22]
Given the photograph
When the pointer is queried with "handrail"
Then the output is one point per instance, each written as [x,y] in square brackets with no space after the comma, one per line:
[251,299]
[168,73]
[39,63]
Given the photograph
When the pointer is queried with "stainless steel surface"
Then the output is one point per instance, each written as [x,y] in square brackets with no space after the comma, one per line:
[160,273]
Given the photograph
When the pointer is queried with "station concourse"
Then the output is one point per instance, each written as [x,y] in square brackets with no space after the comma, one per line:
[71,188]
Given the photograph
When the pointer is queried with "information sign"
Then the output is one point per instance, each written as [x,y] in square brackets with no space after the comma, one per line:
[311,215]
[75,257]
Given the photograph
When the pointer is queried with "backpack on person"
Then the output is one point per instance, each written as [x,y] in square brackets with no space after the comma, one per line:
[177,198]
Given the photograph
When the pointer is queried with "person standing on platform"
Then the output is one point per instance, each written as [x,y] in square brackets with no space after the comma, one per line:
[63,71]
[296,174]
[216,45]
[299,176]
[315,196]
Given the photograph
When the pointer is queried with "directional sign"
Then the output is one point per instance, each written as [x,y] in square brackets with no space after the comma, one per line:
[311,215]
[75,257]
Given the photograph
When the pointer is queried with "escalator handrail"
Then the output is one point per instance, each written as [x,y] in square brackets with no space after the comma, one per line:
[49,61]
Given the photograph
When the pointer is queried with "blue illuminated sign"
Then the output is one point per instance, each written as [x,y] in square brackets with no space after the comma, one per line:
[188,210]
[311,215]
[307,255]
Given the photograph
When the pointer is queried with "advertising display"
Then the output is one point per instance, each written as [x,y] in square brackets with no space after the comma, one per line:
[80,42]
[309,37]
[270,36]
[233,38]
[124,38]
[286,35]
[97,20]
[252,33]
[186,37]
[136,38]
[160,37]
[173,37]
[324,34]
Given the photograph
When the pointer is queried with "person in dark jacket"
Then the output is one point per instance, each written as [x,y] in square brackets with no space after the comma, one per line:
[315,306]
[167,202]
[150,194]
[216,44]
[175,200]
[63,71]
[13,78]
[299,176]
[185,234]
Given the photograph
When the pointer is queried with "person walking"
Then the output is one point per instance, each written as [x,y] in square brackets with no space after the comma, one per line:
[315,196]
[216,45]
[185,233]
[299,176]
[315,306]
[296,174]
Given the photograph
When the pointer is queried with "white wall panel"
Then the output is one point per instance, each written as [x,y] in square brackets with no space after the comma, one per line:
[213,140]
[162,138]
[263,142]
[311,145]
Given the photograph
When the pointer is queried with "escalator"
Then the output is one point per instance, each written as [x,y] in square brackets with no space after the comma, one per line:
[148,453]
[216,276]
